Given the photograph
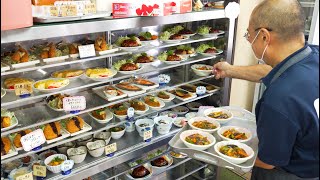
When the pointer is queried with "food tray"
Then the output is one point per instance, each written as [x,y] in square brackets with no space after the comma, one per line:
[209,91]
[99,92]
[210,156]
[11,153]
[64,134]
[71,18]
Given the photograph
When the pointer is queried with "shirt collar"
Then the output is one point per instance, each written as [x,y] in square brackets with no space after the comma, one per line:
[267,80]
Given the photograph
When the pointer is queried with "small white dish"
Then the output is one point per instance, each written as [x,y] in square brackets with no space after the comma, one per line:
[55,59]
[106,136]
[169,41]
[77,154]
[203,73]
[119,134]
[213,54]
[196,119]
[221,121]
[25,64]
[148,177]
[162,104]
[108,118]
[54,169]
[9,166]
[180,110]
[239,129]
[163,123]
[83,141]
[187,133]
[194,106]
[169,114]
[158,170]
[18,172]
[96,148]
[180,121]
[143,124]
[233,160]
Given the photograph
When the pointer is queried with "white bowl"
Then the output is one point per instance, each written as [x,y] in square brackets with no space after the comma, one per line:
[163,128]
[54,169]
[42,155]
[187,133]
[147,166]
[180,110]
[106,136]
[109,117]
[245,147]
[141,130]
[64,147]
[201,72]
[157,170]
[221,121]
[178,121]
[97,151]
[191,115]
[239,129]
[118,135]
[193,106]
[77,158]
[196,119]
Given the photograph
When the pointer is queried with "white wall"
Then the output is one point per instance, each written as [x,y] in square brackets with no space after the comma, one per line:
[242,92]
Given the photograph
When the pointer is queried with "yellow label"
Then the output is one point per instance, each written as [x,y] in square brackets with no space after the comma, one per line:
[54,11]
[28,176]
[90,8]
[68,10]
[40,171]
[147,135]
[111,148]
[23,88]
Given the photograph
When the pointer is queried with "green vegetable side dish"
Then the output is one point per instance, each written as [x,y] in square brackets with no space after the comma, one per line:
[121,39]
[164,36]
[185,47]
[163,56]
[204,29]
[118,64]
[117,129]
[146,35]
[203,47]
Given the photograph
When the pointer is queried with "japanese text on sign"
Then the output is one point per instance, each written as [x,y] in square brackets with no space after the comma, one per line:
[74,103]
[40,171]
[33,140]
[68,10]
[111,148]
[147,135]
[90,8]
[86,51]
[23,88]
[28,176]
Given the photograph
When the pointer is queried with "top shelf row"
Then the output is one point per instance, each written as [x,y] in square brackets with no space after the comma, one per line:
[101,25]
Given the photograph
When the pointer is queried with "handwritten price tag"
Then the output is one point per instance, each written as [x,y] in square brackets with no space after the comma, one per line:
[67,165]
[40,171]
[147,135]
[201,90]
[23,88]
[54,11]
[68,10]
[75,103]
[33,140]
[86,51]
[90,8]
[28,176]
[130,112]
[111,148]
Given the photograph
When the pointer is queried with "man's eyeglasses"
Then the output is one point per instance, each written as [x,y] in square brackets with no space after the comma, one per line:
[247,35]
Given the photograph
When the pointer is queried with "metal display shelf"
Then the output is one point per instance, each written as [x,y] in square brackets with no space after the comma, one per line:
[130,145]
[96,127]
[83,83]
[101,25]
[40,114]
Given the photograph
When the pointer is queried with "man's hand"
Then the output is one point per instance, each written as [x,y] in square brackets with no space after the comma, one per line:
[222,70]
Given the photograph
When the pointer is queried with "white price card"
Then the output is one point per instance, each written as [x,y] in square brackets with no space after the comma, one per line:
[201,90]
[33,140]
[111,148]
[40,171]
[147,135]
[130,112]
[74,103]
[164,79]
[28,176]
[67,165]
[86,51]
[23,88]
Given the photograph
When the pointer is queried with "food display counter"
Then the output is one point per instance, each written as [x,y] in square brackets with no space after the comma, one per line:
[82,135]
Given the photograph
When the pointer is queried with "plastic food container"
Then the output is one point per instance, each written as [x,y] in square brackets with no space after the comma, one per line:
[16,14]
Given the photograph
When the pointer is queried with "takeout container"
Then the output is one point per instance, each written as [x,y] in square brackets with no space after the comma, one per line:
[187,133]
[245,147]
[54,169]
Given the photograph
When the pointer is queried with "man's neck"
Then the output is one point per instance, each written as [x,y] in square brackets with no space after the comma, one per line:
[284,50]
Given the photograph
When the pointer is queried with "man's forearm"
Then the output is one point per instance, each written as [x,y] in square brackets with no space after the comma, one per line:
[250,73]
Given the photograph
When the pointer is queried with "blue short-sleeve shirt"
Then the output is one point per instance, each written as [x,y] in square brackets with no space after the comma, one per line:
[287,122]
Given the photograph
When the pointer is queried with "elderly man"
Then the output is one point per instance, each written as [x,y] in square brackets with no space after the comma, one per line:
[287,122]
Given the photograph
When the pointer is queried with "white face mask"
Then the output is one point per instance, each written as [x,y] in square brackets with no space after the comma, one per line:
[260,60]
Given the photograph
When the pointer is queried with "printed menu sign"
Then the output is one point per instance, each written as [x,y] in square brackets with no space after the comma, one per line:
[75,103]
[40,171]
[23,88]
[68,10]
[111,148]
[33,140]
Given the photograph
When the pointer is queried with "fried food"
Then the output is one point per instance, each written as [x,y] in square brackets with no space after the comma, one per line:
[185,31]
[68,73]
[152,101]
[52,130]
[75,124]
[211,50]
[140,172]
[73,48]
[5,121]
[100,114]
[20,56]
[10,82]
[138,105]
[101,44]
[128,67]
[130,43]
[5,145]
[128,87]
[163,95]
[119,109]
[16,140]
[173,57]
[143,82]
[144,58]
[160,162]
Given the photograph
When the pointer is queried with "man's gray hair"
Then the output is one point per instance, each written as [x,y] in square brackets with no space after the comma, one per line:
[285,17]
